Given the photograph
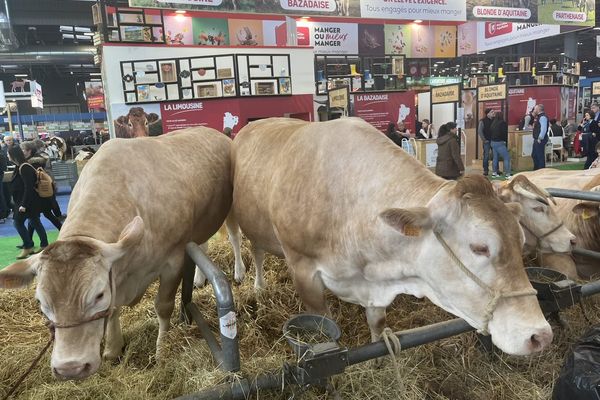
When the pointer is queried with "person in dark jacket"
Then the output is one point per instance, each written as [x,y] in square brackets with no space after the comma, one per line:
[47,204]
[27,202]
[449,164]
[395,135]
[592,139]
[540,137]
[499,139]
[483,131]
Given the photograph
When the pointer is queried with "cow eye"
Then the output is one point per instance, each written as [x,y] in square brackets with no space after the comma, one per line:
[480,250]
[538,209]
[99,297]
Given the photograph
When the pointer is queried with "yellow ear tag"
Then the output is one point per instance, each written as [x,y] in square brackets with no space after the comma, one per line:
[586,215]
[412,230]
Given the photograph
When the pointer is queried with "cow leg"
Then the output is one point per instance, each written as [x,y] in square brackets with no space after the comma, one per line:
[376,321]
[165,302]
[114,342]
[309,286]
[259,259]
[235,237]
[199,278]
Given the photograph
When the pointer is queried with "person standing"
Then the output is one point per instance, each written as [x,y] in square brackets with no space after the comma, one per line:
[499,140]
[449,165]
[483,130]
[540,137]
[425,131]
[27,202]
[592,139]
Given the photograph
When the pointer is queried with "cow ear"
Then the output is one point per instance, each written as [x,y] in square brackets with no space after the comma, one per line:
[586,209]
[19,274]
[515,209]
[408,221]
[503,192]
[130,236]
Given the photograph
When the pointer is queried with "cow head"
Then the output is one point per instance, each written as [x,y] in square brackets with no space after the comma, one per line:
[543,227]
[74,285]
[589,211]
[138,122]
[465,222]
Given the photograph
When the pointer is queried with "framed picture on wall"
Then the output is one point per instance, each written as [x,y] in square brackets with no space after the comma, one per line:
[228,87]
[143,93]
[285,86]
[264,88]
[224,73]
[168,72]
[206,90]
[398,66]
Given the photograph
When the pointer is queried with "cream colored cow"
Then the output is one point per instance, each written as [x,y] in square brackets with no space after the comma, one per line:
[133,210]
[355,214]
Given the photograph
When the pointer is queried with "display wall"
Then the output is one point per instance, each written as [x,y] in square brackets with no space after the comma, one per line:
[220,112]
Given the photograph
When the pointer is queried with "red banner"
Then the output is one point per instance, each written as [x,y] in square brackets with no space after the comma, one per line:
[379,109]
[232,113]
[95,102]
[521,100]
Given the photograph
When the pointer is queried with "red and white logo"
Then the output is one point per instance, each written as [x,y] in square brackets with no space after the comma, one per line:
[303,33]
[493,29]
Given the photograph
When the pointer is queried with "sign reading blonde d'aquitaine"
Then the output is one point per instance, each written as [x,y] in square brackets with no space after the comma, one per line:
[445,94]
[491,92]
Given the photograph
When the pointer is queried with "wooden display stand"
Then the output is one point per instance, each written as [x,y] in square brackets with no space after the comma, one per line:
[516,144]
[421,150]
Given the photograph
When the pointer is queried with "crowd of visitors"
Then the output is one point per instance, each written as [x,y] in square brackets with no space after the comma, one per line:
[21,167]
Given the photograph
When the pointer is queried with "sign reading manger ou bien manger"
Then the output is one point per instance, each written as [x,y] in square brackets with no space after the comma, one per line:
[445,94]
[491,92]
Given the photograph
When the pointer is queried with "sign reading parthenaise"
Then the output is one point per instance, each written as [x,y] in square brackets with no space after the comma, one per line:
[491,92]
[445,94]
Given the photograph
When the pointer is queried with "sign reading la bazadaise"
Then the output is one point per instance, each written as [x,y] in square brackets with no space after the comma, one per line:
[545,12]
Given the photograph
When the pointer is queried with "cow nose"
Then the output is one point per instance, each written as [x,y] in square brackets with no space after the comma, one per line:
[72,370]
[540,340]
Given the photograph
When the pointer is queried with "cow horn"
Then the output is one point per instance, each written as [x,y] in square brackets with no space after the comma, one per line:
[530,195]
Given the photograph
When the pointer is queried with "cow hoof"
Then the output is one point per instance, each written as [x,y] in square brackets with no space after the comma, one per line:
[259,284]
[239,278]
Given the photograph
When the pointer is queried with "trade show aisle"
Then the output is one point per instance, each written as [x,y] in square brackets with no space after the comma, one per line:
[7,229]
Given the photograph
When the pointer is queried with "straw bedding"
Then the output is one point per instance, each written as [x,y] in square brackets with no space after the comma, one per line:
[449,369]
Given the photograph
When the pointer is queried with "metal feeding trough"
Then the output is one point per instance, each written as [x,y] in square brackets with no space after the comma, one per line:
[311,333]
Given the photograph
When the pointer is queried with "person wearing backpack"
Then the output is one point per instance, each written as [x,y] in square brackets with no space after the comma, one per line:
[27,202]
[47,203]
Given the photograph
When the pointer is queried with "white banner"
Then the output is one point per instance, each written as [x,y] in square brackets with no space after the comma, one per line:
[332,38]
[308,5]
[492,35]
[432,10]
[37,100]
[2,97]
[194,2]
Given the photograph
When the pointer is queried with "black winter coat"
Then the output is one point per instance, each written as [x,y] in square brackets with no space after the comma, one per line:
[499,131]
[23,190]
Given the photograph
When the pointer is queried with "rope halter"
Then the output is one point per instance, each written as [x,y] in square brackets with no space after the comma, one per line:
[98,316]
[495,295]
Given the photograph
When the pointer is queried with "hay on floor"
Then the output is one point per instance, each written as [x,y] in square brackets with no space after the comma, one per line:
[449,369]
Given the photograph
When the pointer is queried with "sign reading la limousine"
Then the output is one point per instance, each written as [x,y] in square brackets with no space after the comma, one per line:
[559,13]
[491,92]
[445,94]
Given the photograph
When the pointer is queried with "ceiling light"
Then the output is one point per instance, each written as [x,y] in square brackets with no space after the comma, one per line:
[562,54]
[82,29]
[21,75]
[9,66]
[180,12]
[418,21]
[597,28]
[589,70]
[89,33]
[82,37]
[95,80]
[95,73]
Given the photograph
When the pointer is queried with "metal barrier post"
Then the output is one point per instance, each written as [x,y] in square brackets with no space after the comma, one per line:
[574,194]
[227,354]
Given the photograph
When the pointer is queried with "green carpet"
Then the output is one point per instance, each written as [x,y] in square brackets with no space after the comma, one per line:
[8,251]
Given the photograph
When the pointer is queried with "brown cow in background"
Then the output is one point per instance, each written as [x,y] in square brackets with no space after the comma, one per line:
[138,123]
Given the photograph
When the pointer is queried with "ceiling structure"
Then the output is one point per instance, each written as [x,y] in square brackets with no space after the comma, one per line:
[53,42]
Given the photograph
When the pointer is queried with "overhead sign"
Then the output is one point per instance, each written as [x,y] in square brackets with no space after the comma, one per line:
[595,88]
[492,35]
[2,97]
[491,92]
[445,94]
[37,99]
[339,98]
[578,13]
